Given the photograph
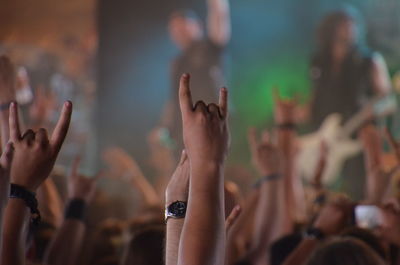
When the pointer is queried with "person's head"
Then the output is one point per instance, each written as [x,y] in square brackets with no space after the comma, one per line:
[367,237]
[282,248]
[338,33]
[146,247]
[345,251]
[184,28]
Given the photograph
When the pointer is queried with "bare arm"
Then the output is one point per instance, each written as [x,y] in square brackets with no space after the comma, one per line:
[206,138]
[271,208]
[241,233]
[177,190]
[32,162]
[219,23]
[125,165]
[330,221]
[67,243]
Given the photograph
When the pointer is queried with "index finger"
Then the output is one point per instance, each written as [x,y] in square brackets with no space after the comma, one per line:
[13,121]
[185,96]
[61,129]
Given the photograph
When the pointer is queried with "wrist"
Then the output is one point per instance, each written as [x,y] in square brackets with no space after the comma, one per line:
[173,196]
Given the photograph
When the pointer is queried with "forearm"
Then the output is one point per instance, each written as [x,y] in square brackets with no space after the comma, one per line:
[203,234]
[242,230]
[300,255]
[65,247]
[15,232]
[270,219]
[146,190]
[219,28]
[174,230]
[295,202]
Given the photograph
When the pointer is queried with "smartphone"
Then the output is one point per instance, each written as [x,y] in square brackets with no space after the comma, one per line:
[368,216]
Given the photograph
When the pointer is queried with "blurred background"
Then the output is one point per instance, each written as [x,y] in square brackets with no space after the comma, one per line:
[112,58]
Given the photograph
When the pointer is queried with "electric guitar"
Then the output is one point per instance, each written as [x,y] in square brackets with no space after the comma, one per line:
[337,138]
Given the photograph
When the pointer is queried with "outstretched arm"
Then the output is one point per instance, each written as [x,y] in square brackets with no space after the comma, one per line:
[219,22]
[66,244]
[206,138]
[34,157]
[177,190]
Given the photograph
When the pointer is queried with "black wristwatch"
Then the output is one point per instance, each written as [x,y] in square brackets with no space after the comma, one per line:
[176,210]
[313,233]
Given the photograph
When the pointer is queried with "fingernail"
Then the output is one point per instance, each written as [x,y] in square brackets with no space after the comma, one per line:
[68,104]
[186,75]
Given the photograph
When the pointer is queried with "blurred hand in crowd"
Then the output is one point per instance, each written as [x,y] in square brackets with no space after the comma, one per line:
[285,111]
[178,186]
[206,140]
[390,229]
[333,218]
[7,80]
[265,155]
[79,186]
[35,152]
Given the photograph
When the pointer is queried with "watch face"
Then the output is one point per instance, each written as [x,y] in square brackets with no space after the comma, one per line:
[177,209]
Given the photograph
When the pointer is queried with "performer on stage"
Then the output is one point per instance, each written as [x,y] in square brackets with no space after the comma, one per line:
[344,73]
[201,55]
[345,76]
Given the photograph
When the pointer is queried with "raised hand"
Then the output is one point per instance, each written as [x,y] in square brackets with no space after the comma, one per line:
[265,155]
[333,218]
[205,130]
[285,110]
[206,139]
[79,186]
[390,229]
[35,152]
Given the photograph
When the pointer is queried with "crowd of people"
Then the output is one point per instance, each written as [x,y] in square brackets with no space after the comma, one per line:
[190,212]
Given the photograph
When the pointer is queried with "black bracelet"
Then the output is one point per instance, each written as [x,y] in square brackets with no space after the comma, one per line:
[5,106]
[287,126]
[30,200]
[260,181]
[75,209]
[314,233]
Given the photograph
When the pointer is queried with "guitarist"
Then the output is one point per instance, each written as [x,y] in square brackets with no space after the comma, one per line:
[345,75]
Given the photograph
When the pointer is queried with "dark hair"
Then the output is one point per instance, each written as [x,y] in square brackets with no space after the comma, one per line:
[282,248]
[345,251]
[146,247]
[326,31]
[367,237]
